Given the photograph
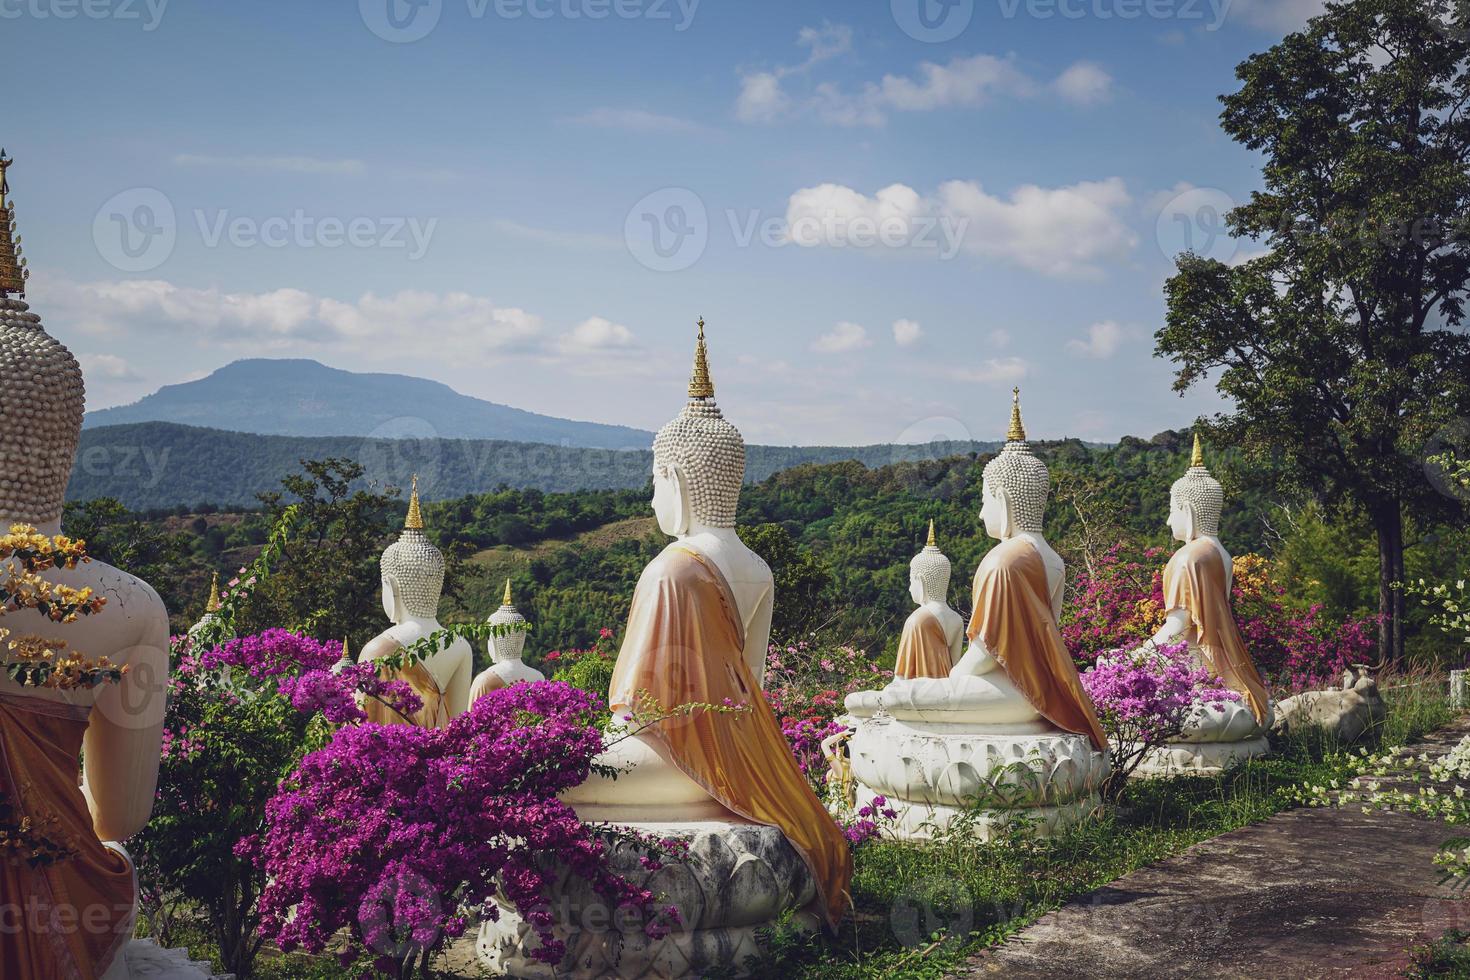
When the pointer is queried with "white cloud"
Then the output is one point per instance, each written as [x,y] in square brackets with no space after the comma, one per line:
[907,333]
[1102,341]
[999,338]
[596,334]
[292,319]
[1278,15]
[1084,84]
[761,98]
[1060,231]
[994,370]
[277,164]
[636,121]
[842,338]
[108,366]
[962,82]
[561,239]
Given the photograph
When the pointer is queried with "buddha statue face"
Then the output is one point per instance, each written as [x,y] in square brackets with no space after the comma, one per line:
[995,512]
[671,500]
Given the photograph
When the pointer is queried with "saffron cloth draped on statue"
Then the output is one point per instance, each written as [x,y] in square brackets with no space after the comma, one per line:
[1195,580]
[922,649]
[67,919]
[685,645]
[1013,617]
[434,713]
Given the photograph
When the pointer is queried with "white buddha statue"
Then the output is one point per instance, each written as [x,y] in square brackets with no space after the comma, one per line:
[934,634]
[413,581]
[724,781]
[1197,584]
[935,745]
[115,729]
[506,667]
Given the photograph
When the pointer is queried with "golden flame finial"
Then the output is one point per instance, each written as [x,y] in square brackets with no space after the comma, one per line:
[1198,459]
[931,543]
[1017,431]
[700,385]
[415,519]
[13,271]
[212,604]
[506,601]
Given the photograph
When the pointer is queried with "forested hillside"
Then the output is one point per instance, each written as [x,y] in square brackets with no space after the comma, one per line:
[159,465]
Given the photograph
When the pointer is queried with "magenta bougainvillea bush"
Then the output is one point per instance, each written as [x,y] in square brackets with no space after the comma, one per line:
[402,835]
[805,685]
[1144,697]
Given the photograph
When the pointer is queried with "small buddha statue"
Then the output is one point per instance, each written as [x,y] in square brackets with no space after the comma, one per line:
[506,667]
[211,608]
[697,633]
[1197,584]
[115,730]
[413,581]
[933,636]
[933,746]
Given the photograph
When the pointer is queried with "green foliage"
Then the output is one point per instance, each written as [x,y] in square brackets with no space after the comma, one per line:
[1340,346]
[141,547]
[802,582]
[327,582]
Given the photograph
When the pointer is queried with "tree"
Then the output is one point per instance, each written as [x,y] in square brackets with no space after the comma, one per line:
[1342,346]
[801,581]
[327,582]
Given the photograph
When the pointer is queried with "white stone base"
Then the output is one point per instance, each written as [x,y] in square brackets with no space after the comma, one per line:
[736,880]
[1201,758]
[932,773]
[925,821]
[144,959]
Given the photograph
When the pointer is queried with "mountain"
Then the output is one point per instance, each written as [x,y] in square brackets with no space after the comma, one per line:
[160,465]
[305,398]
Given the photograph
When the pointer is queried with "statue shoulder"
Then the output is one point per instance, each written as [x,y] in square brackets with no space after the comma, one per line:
[380,646]
[129,597]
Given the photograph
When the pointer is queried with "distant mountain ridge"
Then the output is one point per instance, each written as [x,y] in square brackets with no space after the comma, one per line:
[298,397]
[161,465]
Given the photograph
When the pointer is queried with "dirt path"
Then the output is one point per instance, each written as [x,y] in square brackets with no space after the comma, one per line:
[1308,893]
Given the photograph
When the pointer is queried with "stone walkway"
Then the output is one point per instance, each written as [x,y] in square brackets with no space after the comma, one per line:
[1308,893]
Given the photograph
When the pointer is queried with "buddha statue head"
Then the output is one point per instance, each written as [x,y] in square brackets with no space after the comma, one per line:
[1016,484]
[413,569]
[929,573]
[512,644]
[1196,500]
[698,460]
[41,394]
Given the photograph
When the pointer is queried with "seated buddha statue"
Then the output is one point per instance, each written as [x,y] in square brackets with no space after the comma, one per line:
[506,667]
[115,730]
[933,636]
[413,581]
[934,746]
[697,634]
[1197,584]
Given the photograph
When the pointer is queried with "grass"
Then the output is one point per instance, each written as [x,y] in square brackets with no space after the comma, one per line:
[921,911]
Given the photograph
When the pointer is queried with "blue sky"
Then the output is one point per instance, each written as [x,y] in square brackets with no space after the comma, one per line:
[887,222]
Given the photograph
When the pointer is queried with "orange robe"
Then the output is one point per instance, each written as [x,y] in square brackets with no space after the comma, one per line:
[685,645]
[65,920]
[1013,617]
[923,650]
[434,713]
[1195,581]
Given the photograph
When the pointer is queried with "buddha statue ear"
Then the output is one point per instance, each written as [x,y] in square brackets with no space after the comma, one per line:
[392,602]
[672,503]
